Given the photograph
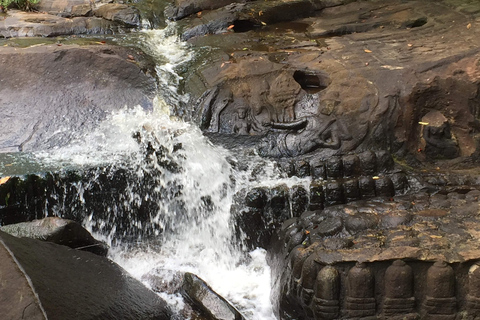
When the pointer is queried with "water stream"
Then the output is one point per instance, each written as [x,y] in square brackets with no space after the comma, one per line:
[193,183]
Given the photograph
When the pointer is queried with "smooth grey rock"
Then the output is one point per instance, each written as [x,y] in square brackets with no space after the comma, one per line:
[44,87]
[69,284]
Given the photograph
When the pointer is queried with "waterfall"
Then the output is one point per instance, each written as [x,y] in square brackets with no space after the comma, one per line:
[186,183]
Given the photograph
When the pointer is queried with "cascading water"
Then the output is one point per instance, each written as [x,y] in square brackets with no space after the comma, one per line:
[184,186]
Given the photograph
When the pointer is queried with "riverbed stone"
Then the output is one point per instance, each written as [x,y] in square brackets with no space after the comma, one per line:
[63,282]
[212,305]
[122,13]
[60,231]
[80,85]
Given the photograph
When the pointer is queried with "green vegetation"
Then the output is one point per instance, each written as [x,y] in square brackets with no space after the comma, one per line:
[25,5]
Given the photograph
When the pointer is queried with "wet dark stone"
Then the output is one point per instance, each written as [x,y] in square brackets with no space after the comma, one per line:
[256,198]
[351,165]
[317,169]
[302,169]
[252,224]
[299,200]
[309,274]
[204,298]
[298,256]
[288,167]
[327,227]
[295,240]
[384,187]
[368,163]
[400,182]
[58,276]
[333,193]
[351,190]
[360,222]
[316,197]
[334,167]
[279,202]
[385,161]
[367,187]
[60,231]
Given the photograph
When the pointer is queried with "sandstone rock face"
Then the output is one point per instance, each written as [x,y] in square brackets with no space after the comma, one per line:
[45,86]
[109,19]
[120,13]
[65,282]
[331,91]
[61,7]
[286,81]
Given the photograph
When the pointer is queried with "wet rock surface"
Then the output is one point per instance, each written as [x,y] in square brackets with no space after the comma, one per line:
[206,300]
[428,240]
[376,103]
[44,87]
[60,231]
[284,81]
[70,194]
[90,286]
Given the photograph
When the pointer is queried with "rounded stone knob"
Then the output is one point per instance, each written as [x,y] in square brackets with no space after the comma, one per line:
[327,285]
[440,280]
[399,280]
[361,282]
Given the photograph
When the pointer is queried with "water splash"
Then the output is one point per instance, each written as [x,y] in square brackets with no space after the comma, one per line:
[175,195]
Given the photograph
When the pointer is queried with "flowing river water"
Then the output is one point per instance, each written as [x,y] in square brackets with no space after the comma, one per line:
[195,230]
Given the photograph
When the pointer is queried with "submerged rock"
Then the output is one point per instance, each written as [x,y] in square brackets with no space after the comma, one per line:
[42,280]
[60,231]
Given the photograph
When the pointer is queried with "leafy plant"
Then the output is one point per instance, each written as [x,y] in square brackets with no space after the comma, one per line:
[25,5]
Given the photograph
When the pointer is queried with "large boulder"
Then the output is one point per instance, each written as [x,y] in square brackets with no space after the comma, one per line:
[44,87]
[60,231]
[41,280]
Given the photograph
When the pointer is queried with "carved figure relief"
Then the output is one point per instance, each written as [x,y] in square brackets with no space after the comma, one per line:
[303,136]
[282,98]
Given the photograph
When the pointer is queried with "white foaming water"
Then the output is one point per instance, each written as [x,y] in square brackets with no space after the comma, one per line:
[195,227]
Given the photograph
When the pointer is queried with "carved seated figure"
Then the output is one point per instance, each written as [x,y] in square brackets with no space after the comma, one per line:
[439,142]
[242,124]
[303,136]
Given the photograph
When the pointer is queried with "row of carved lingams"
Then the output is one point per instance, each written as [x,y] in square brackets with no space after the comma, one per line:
[385,290]
[367,163]
[327,193]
